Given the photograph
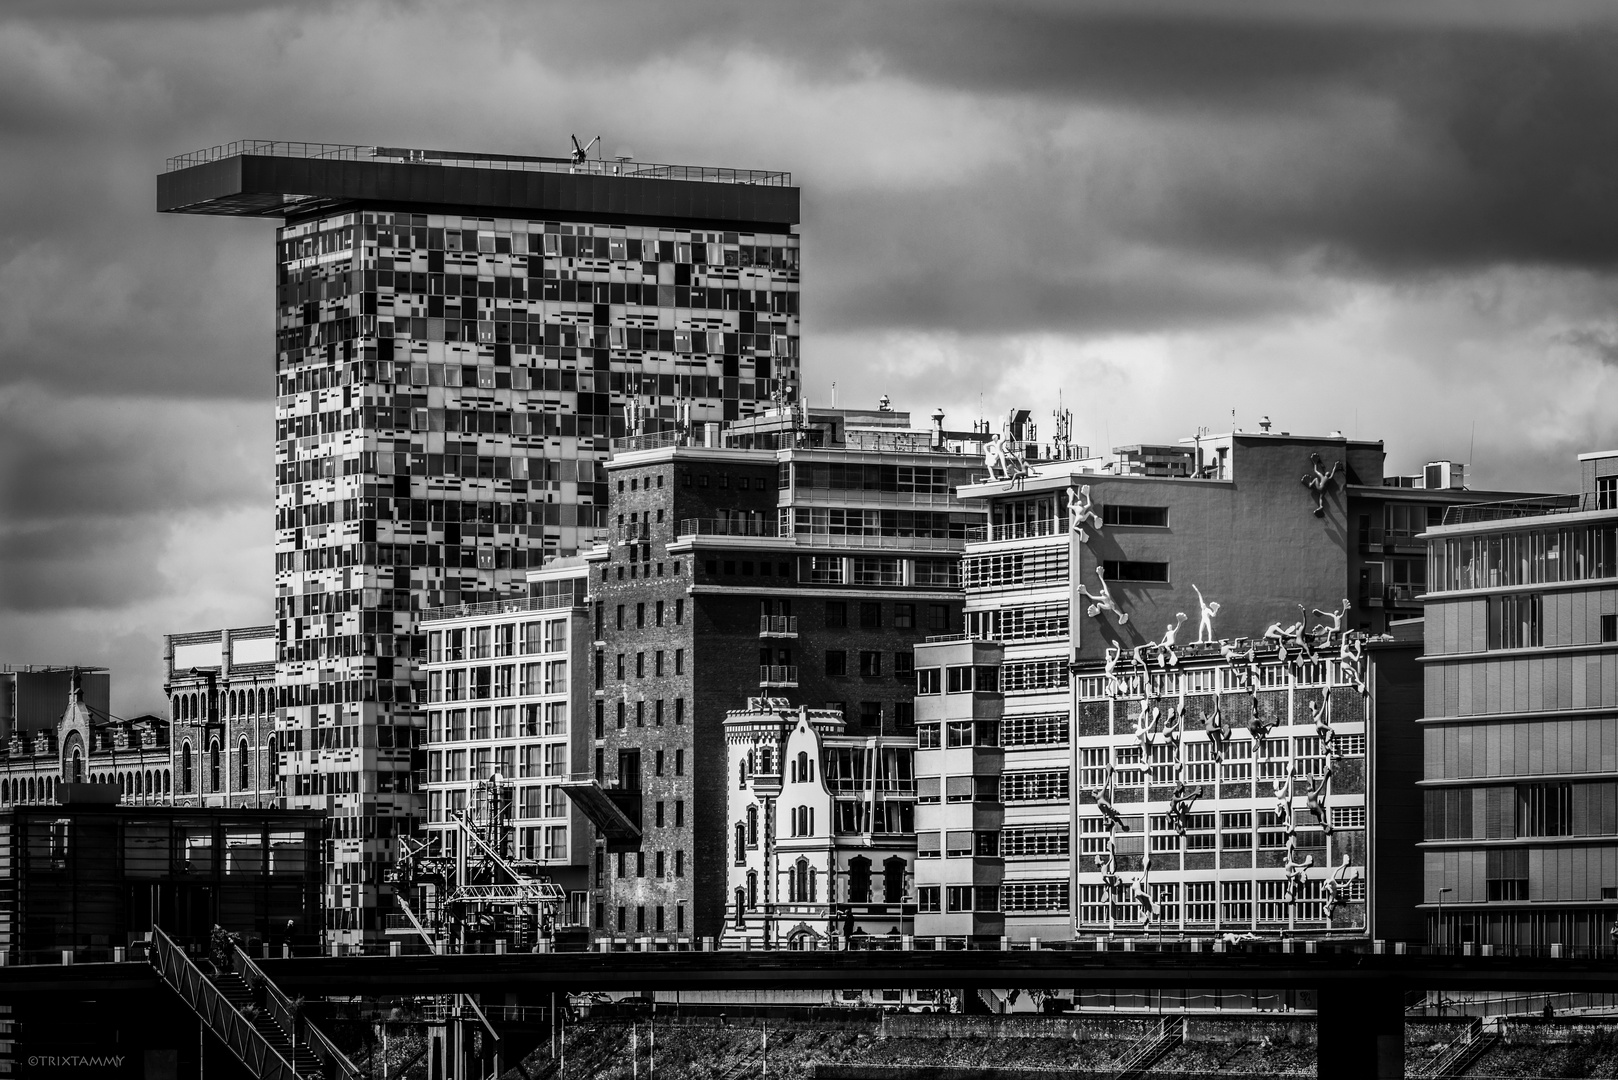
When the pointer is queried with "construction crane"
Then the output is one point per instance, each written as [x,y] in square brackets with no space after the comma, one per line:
[476,893]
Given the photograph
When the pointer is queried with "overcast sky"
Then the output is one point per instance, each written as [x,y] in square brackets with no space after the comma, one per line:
[1396,219]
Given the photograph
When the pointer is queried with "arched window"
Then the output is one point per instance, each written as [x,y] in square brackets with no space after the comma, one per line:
[75,774]
[5,791]
[798,881]
[185,769]
[804,773]
[893,880]
[741,844]
[741,773]
[741,906]
[213,766]
[274,762]
[146,782]
[32,790]
[166,779]
[859,880]
[752,826]
[243,763]
[174,707]
[752,889]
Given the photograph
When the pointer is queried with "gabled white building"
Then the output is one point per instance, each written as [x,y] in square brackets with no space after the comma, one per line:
[822,837]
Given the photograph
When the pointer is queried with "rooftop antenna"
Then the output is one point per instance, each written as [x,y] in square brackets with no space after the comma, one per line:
[582,153]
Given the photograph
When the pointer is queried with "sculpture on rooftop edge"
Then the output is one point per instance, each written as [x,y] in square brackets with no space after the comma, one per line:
[1114,653]
[1004,455]
[1333,631]
[1208,609]
[1166,656]
[1319,481]
[1103,600]
[1080,510]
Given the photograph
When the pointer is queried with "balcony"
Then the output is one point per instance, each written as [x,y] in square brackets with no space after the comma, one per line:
[1371,539]
[1018,530]
[726,527]
[635,532]
[778,675]
[1405,595]
[778,626]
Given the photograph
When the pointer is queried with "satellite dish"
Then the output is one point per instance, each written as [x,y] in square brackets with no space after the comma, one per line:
[581,153]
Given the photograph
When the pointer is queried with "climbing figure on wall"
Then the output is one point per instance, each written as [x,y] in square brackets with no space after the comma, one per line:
[1319,481]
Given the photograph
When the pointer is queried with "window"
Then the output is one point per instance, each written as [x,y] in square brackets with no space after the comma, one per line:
[836,614]
[1034,842]
[1124,570]
[1515,622]
[1607,493]
[927,899]
[904,616]
[870,713]
[938,616]
[870,615]
[1545,810]
[1036,786]
[1236,830]
[929,681]
[1034,896]
[1156,517]
[836,663]
[1505,874]
[243,764]
[1236,902]
[1609,625]
[1348,817]
[870,664]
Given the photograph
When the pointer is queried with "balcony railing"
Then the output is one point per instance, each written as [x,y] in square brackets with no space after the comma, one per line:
[778,626]
[634,532]
[1017,530]
[1405,595]
[727,527]
[778,675]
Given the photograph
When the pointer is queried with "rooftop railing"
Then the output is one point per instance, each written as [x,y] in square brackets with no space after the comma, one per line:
[499,607]
[1468,513]
[726,527]
[641,170]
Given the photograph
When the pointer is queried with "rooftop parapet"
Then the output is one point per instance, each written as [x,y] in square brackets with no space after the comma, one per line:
[270,178]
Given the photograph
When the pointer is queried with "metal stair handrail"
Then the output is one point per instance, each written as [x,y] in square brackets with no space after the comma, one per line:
[1140,1052]
[205,999]
[286,1014]
[1453,1050]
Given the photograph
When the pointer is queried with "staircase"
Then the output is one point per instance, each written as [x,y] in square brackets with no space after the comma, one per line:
[241,997]
[250,1015]
[1462,1052]
[1149,1049]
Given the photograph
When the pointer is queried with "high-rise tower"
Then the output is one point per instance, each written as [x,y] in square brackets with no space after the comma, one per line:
[456,339]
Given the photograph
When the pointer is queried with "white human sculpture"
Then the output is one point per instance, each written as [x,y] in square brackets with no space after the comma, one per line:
[1319,481]
[1336,627]
[1209,608]
[1081,510]
[1337,888]
[1180,803]
[1114,653]
[1141,888]
[1166,656]
[1103,797]
[1103,600]
[1004,454]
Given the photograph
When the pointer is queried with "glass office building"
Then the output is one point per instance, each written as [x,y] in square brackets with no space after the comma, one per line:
[1521,722]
